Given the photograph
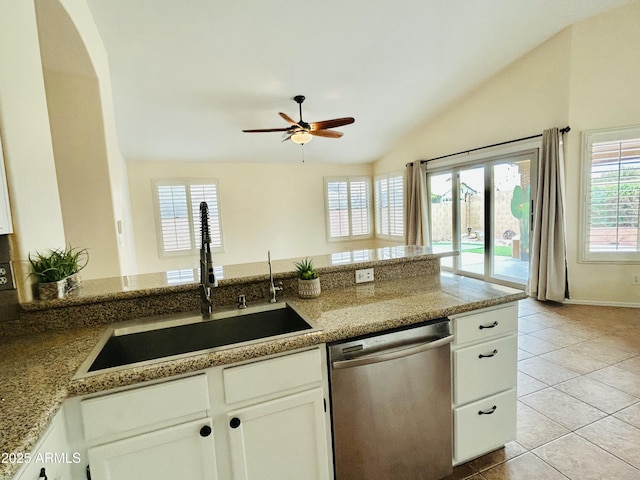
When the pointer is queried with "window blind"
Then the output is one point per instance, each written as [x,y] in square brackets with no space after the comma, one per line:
[389,205]
[614,197]
[178,208]
[348,208]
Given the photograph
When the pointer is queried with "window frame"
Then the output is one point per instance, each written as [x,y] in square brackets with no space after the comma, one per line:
[349,179]
[193,228]
[377,206]
[588,139]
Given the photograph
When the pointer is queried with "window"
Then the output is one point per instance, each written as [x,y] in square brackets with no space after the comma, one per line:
[389,205]
[348,208]
[178,215]
[611,163]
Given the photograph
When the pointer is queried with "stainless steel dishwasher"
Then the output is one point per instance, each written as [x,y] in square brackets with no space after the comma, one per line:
[391,404]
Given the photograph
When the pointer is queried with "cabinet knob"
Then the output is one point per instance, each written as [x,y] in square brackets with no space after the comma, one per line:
[205,431]
[235,422]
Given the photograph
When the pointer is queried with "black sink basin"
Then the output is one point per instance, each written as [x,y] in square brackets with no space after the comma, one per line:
[154,341]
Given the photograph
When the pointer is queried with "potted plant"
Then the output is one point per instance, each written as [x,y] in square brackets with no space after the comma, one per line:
[57,271]
[308,279]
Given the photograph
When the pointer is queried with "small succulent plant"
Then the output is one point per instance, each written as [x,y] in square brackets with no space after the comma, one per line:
[305,269]
[58,264]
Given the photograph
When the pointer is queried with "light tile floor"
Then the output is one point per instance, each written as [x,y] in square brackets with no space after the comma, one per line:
[578,397]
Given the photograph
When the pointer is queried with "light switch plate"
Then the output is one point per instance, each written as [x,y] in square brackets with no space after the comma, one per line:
[6,277]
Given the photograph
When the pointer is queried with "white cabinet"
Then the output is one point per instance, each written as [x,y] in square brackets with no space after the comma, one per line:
[51,453]
[276,419]
[280,439]
[484,378]
[262,419]
[5,212]
[181,451]
[161,431]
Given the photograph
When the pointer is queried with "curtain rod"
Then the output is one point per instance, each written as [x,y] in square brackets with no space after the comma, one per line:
[562,130]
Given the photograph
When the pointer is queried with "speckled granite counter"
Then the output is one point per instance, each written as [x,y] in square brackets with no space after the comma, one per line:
[38,369]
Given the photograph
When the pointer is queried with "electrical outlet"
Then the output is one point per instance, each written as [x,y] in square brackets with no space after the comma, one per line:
[364,275]
[635,279]
[6,277]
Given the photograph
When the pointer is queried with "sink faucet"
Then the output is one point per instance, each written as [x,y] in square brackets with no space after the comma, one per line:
[273,289]
[207,277]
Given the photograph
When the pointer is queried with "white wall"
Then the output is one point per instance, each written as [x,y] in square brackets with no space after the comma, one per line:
[605,92]
[24,126]
[277,207]
[91,171]
[585,77]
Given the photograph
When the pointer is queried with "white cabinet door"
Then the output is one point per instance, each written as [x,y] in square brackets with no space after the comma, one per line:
[185,451]
[283,439]
[52,453]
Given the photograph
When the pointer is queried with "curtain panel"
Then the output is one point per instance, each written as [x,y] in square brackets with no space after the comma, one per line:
[548,278]
[416,225]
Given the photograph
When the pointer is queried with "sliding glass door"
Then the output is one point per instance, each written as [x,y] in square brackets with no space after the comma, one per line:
[471,216]
[511,219]
[483,210]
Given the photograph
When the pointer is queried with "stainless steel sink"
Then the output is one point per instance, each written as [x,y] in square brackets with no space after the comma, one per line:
[170,336]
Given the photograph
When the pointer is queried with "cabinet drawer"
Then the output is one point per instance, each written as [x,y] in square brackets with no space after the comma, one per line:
[144,406]
[486,324]
[484,369]
[476,433]
[271,376]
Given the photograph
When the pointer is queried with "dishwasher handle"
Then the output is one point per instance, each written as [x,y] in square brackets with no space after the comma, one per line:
[392,355]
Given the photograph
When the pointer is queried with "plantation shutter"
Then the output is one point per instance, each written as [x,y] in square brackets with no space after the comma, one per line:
[348,208]
[614,197]
[389,205]
[338,205]
[178,209]
[174,217]
[381,205]
[207,193]
[360,208]
[396,206]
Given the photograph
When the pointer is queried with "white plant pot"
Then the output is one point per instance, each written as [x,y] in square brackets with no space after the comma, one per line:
[309,288]
[59,289]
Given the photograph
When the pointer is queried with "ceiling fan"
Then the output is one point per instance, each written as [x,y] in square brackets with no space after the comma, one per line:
[302,132]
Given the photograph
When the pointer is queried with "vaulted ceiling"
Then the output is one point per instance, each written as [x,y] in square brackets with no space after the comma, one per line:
[188,76]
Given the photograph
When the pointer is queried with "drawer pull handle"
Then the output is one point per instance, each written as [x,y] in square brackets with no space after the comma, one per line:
[205,431]
[493,325]
[488,412]
[489,355]
[235,422]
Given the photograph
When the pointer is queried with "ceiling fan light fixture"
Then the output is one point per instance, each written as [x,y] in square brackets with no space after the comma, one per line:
[301,137]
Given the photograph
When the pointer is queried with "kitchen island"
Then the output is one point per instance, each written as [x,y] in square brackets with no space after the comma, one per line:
[38,367]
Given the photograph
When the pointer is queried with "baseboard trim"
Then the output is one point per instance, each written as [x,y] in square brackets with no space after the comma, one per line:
[600,303]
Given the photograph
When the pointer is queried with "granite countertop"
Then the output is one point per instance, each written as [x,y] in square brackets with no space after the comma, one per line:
[38,369]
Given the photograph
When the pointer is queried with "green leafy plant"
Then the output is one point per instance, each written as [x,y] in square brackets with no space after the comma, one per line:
[58,264]
[305,269]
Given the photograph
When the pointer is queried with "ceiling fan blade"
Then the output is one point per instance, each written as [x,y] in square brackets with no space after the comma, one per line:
[288,119]
[286,137]
[326,133]
[266,130]
[336,122]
